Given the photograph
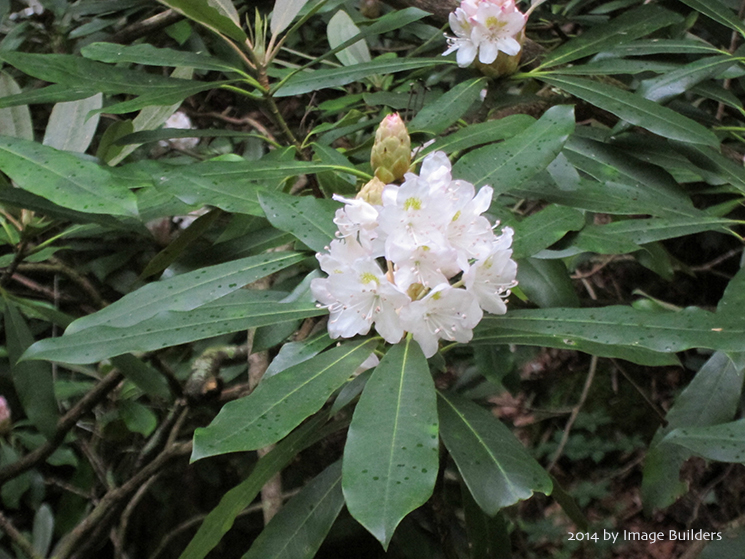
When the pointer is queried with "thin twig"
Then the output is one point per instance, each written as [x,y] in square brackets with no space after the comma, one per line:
[64,425]
[17,538]
[146,26]
[650,403]
[72,274]
[17,260]
[718,260]
[575,412]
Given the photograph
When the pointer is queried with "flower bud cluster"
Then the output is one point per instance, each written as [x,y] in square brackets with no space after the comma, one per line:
[486,28]
[423,260]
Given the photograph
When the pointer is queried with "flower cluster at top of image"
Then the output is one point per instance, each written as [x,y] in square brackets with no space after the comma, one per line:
[416,258]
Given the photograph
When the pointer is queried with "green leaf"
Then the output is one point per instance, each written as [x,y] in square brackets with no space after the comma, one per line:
[32,381]
[488,538]
[713,162]
[546,283]
[308,219]
[480,133]
[505,166]
[65,179]
[495,466]
[43,530]
[14,121]
[718,11]
[452,105]
[209,15]
[70,128]
[625,28]
[283,13]
[724,442]
[341,28]
[186,292]
[305,82]
[234,312]
[665,46]
[70,70]
[151,56]
[663,88]
[620,325]
[161,97]
[635,109]
[142,375]
[49,94]
[625,236]
[391,455]
[138,418]
[221,518]
[293,353]
[733,299]
[637,355]
[280,403]
[711,398]
[544,228]
[299,528]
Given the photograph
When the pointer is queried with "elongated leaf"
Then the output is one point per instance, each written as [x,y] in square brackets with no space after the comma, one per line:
[714,163]
[507,165]
[283,14]
[298,530]
[341,28]
[236,311]
[49,94]
[308,219]
[717,11]
[631,25]
[162,97]
[221,518]
[145,377]
[391,458]
[185,291]
[495,466]
[635,109]
[724,442]
[64,179]
[43,529]
[480,133]
[619,325]
[72,70]
[438,116]
[637,355]
[546,283]
[488,537]
[711,398]
[14,121]
[209,15]
[32,381]
[306,82]
[733,300]
[543,229]
[70,128]
[625,236]
[663,88]
[665,46]
[293,353]
[280,403]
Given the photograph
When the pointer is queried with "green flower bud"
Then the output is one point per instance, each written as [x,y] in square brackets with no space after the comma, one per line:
[372,192]
[505,64]
[391,152]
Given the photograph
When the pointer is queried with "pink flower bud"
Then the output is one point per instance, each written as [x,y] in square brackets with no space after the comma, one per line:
[391,152]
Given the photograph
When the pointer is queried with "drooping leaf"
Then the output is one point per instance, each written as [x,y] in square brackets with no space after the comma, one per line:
[733,299]
[505,166]
[71,127]
[308,219]
[14,121]
[546,283]
[488,537]
[664,46]
[50,94]
[448,108]
[300,527]
[221,518]
[711,398]
[280,403]
[43,530]
[663,88]
[234,312]
[718,11]
[32,381]
[633,24]
[724,442]
[209,15]
[494,465]
[391,454]
[293,353]
[620,325]
[142,375]
[283,13]
[186,291]
[305,82]
[65,179]
[137,417]
[544,228]
[635,109]
[341,28]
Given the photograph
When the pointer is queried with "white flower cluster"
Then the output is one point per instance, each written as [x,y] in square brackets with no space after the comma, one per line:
[484,28]
[426,232]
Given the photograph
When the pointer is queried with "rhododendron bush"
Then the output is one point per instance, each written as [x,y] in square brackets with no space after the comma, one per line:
[326,278]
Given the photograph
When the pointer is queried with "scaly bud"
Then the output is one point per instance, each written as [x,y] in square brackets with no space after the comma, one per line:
[372,192]
[5,423]
[391,152]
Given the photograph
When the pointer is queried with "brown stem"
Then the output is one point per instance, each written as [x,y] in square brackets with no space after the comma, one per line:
[146,26]
[64,425]
[17,260]
[61,268]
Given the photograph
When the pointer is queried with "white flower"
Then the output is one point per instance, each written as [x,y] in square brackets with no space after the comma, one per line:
[358,297]
[491,278]
[444,313]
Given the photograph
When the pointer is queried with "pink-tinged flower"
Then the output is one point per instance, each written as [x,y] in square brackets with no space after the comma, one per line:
[5,419]
[446,313]
[495,29]
[491,278]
